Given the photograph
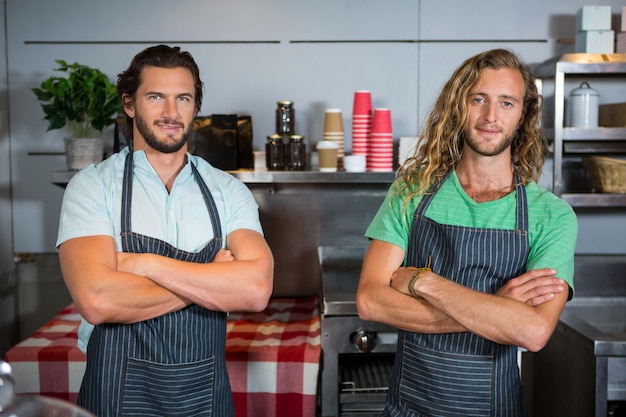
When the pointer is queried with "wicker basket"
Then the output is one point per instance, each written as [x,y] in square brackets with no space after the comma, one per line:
[608,175]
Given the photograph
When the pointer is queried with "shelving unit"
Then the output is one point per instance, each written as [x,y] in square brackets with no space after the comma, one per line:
[572,141]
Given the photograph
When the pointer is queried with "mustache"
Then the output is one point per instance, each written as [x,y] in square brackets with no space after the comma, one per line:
[169,122]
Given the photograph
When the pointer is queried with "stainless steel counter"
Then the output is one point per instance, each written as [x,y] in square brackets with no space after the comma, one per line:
[61,178]
[313,176]
[582,370]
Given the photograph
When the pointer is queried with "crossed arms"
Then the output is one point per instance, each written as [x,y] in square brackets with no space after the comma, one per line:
[522,313]
[116,287]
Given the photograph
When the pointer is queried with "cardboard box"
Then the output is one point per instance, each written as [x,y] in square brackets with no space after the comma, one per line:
[593,18]
[595,42]
[612,115]
[620,44]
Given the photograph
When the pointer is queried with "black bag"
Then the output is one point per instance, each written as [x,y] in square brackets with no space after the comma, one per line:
[224,140]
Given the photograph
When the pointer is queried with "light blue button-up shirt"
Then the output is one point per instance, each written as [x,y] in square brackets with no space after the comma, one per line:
[92,206]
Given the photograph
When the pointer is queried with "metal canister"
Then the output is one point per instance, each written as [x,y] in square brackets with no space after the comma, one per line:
[295,153]
[285,118]
[275,153]
[584,105]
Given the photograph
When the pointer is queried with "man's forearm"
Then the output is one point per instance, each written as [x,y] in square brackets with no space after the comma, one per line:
[500,319]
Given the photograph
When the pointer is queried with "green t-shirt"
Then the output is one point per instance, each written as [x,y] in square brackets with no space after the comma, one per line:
[552,231]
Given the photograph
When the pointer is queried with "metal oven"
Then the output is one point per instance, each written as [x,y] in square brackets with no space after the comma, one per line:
[357,355]
[314,223]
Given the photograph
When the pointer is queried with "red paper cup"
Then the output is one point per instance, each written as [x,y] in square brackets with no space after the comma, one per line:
[362,103]
[381,121]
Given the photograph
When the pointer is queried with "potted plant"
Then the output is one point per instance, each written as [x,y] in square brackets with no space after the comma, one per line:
[85,103]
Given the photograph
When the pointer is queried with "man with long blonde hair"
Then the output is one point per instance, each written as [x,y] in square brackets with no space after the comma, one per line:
[469,257]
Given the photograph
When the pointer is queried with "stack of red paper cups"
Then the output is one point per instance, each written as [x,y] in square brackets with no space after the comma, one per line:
[361,122]
[380,151]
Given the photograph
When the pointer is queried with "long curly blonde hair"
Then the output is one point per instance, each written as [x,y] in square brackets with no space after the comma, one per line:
[441,141]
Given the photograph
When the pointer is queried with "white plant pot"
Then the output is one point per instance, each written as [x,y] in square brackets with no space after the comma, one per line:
[82,152]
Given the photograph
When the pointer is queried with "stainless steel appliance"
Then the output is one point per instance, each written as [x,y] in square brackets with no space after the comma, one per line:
[357,355]
[582,370]
[314,222]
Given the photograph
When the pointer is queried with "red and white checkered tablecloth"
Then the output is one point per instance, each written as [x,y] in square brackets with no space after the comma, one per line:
[272,359]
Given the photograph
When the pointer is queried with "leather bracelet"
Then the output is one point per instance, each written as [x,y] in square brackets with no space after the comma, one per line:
[414,279]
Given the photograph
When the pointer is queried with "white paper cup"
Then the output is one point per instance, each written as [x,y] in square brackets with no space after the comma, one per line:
[354,163]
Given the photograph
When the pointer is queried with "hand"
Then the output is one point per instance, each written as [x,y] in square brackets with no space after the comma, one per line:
[534,287]
[224,255]
[400,279]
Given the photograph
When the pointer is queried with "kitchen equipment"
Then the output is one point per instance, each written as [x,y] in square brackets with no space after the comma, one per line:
[581,372]
[584,106]
[357,355]
[31,406]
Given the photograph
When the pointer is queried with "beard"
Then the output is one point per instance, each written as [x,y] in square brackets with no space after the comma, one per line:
[171,145]
[484,151]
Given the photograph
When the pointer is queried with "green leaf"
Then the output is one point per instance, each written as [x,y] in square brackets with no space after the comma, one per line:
[85,100]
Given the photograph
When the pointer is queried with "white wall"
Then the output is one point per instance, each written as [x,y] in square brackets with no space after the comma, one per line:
[253,53]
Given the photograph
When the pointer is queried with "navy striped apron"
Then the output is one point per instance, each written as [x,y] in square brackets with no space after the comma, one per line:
[172,365]
[461,374]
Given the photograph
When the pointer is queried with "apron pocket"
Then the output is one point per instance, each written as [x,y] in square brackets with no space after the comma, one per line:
[436,383]
[155,389]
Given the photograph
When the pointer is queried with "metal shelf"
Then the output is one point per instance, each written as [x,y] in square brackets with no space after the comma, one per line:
[598,133]
[61,178]
[568,140]
[581,64]
[594,200]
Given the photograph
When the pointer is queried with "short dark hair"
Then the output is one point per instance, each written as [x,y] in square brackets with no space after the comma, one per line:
[162,56]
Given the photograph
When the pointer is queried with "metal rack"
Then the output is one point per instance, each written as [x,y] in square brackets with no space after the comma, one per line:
[569,140]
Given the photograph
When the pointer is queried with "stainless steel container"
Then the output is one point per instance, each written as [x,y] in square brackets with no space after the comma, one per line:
[584,106]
